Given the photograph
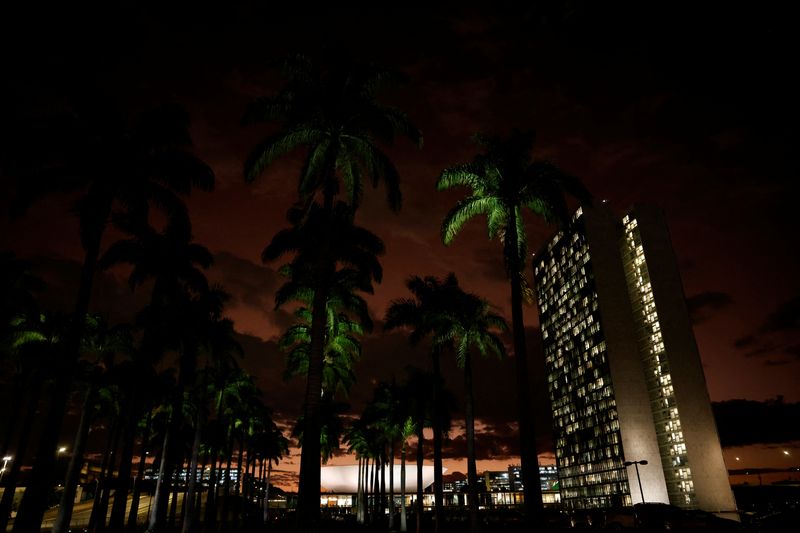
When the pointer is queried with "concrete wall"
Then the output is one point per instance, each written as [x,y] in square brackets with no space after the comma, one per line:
[709,473]
[637,427]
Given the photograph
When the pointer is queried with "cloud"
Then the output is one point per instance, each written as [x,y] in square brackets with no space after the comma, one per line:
[252,288]
[266,362]
[112,297]
[745,341]
[702,306]
[488,260]
[497,441]
[776,362]
[249,283]
[785,318]
[777,338]
[743,422]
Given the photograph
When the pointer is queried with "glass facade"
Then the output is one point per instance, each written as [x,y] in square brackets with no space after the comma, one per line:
[672,445]
[589,451]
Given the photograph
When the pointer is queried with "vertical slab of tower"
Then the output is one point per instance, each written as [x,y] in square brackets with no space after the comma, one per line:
[694,467]
[637,427]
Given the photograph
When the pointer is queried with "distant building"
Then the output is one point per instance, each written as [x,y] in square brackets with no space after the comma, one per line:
[512,479]
[624,376]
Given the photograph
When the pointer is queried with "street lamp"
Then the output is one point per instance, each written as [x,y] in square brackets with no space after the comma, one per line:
[638,479]
[62,449]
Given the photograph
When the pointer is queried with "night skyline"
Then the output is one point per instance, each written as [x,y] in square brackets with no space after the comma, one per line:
[674,110]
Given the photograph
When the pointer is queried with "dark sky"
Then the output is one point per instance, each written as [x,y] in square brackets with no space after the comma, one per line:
[692,107]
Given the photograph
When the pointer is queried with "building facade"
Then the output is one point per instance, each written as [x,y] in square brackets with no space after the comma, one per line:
[624,375]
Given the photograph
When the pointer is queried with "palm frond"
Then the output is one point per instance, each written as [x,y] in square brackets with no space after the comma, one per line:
[265,153]
[465,175]
[463,212]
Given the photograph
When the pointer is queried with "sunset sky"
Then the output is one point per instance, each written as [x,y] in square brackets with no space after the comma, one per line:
[695,110]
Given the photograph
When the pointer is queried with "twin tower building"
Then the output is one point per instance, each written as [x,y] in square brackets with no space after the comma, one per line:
[624,376]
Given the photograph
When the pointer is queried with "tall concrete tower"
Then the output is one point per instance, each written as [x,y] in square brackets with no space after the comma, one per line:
[624,375]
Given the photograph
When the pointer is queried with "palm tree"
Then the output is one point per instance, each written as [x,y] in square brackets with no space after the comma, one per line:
[231,385]
[112,165]
[31,347]
[347,317]
[472,326]
[17,285]
[180,310]
[357,439]
[407,429]
[426,314]
[504,179]
[418,389]
[391,423]
[334,115]
[388,415]
[215,339]
[275,447]
[103,343]
[18,310]
[315,265]
[331,427]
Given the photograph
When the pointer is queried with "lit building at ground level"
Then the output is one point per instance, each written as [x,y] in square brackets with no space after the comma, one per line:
[632,417]
[341,484]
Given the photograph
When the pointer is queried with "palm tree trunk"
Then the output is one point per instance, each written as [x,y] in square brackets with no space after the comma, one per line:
[382,501]
[266,491]
[359,487]
[247,485]
[211,496]
[438,492]
[64,516]
[391,485]
[198,500]
[367,477]
[403,524]
[472,471]
[133,515]
[262,473]
[227,489]
[308,496]
[239,474]
[173,506]
[11,477]
[308,502]
[365,496]
[108,483]
[117,520]
[247,482]
[101,478]
[171,457]
[420,459]
[34,501]
[158,510]
[529,463]
[188,518]
[376,490]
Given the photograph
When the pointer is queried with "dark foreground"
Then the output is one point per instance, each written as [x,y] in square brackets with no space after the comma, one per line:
[511,522]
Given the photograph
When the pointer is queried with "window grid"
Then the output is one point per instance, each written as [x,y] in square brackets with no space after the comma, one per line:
[672,445]
[588,445]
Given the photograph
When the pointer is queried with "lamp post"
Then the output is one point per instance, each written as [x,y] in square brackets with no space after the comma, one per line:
[638,479]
